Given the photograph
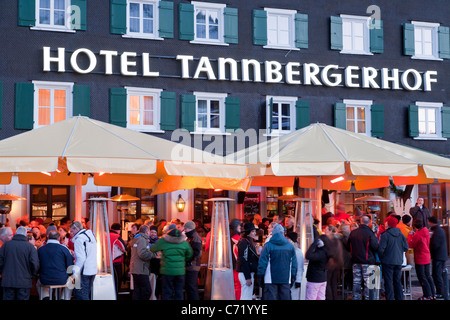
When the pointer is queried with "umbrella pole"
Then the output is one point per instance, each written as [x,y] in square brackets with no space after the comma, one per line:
[319,201]
[78,194]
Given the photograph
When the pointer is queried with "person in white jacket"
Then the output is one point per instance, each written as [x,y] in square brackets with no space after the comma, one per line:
[85,252]
[295,289]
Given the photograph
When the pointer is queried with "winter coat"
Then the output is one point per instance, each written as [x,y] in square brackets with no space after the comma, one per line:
[318,259]
[140,255]
[195,242]
[392,247]
[247,260]
[283,261]
[438,244]
[85,250]
[118,247]
[19,263]
[420,242]
[418,213]
[175,252]
[54,259]
[363,245]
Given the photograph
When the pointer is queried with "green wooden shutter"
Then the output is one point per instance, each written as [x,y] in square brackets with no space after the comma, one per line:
[377,120]
[81,100]
[26,13]
[1,104]
[376,37]
[168,110]
[232,113]
[301,31]
[444,42]
[188,112]
[118,16]
[302,118]
[81,24]
[413,119]
[408,39]
[231,32]
[270,114]
[259,20]
[340,115]
[166,19]
[24,106]
[186,21]
[336,39]
[118,106]
[445,120]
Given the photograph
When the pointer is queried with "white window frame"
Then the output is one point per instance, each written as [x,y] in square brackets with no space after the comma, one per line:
[141,34]
[141,92]
[366,104]
[290,14]
[219,7]
[52,27]
[366,34]
[420,25]
[51,85]
[280,100]
[211,96]
[437,106]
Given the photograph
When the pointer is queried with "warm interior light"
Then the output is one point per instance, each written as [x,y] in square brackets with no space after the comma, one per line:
[59,171]
[101,173]
[341,178]
[180,203]
[46,173]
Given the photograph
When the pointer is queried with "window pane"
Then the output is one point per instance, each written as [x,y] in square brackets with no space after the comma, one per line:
[44,97]
[44,4]
[351,126]
[286,109]
[148,103]
[213,32]
[358,29]
[60,98]
[44,16]
[431,115]
[44,116]
[134,25]
[428,48]
[202,106]
[347,43]
[215,106]
[59,18]
[432,127]
[286,123]
[361,127]
[422,114]
[427,35]
[148,26]
[361,113]
[59,5]
[358,43]
[201,16]
[350,113]
[422,128]
[283,38]
[346,28]
[134,102]
[215,121]
[213,17]
[134,117]
[59,114]
[148,118]
[202,120]
[201,31]
[275,125]
[134,10]
[148,11]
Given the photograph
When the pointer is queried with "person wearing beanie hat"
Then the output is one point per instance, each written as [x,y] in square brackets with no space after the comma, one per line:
[193,266]
[247,261]
[19,264]
[438,251]
[175,252]
[392,249]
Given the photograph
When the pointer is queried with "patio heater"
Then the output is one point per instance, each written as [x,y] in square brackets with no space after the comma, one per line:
[6,205]
[219,278]
[104,287]
[122,205]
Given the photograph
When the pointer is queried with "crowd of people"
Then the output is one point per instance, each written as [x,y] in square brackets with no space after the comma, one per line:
[164,260]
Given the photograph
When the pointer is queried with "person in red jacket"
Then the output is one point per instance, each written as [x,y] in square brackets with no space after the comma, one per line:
[419,240]
[118,250]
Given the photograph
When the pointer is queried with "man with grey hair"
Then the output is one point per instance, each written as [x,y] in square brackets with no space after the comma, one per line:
[363,245]
[19,263]
[6,234]
[85,251]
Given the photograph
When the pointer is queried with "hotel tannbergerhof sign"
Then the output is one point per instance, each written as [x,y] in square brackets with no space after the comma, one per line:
[245,70]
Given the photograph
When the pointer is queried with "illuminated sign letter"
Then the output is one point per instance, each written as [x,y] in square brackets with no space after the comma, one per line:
[58,59]
[108,59]
[91,57]
[385,79]
[205,66]
[427,80]
[290,73]
[325,78]
[310,72]
[417,79]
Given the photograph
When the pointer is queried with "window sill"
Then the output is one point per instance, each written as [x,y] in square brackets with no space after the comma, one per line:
[426,58]
[361,53]
[211,43]
[53,29]
[146,130]
[430,138]
[210,133]
[143,37]
[276,134]
[281,48]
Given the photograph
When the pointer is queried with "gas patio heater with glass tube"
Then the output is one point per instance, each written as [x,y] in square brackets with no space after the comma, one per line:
[104,287]
[6,205]
[219,278]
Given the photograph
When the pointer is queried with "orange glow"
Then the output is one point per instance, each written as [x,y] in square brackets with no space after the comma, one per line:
[341,178]
[46,173]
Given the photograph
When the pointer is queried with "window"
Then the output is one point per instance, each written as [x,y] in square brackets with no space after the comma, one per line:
[50,202]
[429,119]
[142,18]
[143,109]
[355,35]
[208,23]
[52,102]
[210,112]
[358,116]
[425,40]
[56,15]
[281,114]
[281,28]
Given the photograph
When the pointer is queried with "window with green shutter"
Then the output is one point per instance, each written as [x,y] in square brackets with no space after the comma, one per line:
[408,39]
[413,120]
[231,30]
[301,31]
[302,117]
[118,16]
[81,100]
[282,113]
[444,42]
[168,110]
[166,19]
[336,40]
[445,120]
[188,116]
[186,21]
[26,13]
[377,119]
[376,37]
[340,115]
[118,106]
[24,106]
[259,24]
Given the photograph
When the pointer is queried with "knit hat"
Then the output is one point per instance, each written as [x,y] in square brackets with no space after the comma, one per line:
[433,219]
[278,229]
[391,221]
[293,236]
[189,225]
[173,231]
[249,226]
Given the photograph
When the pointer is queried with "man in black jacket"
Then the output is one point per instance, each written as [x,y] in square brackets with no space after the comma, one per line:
[193,266]
[392,247]
[363,245]
[420,212]
[438,250]
[19,263]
